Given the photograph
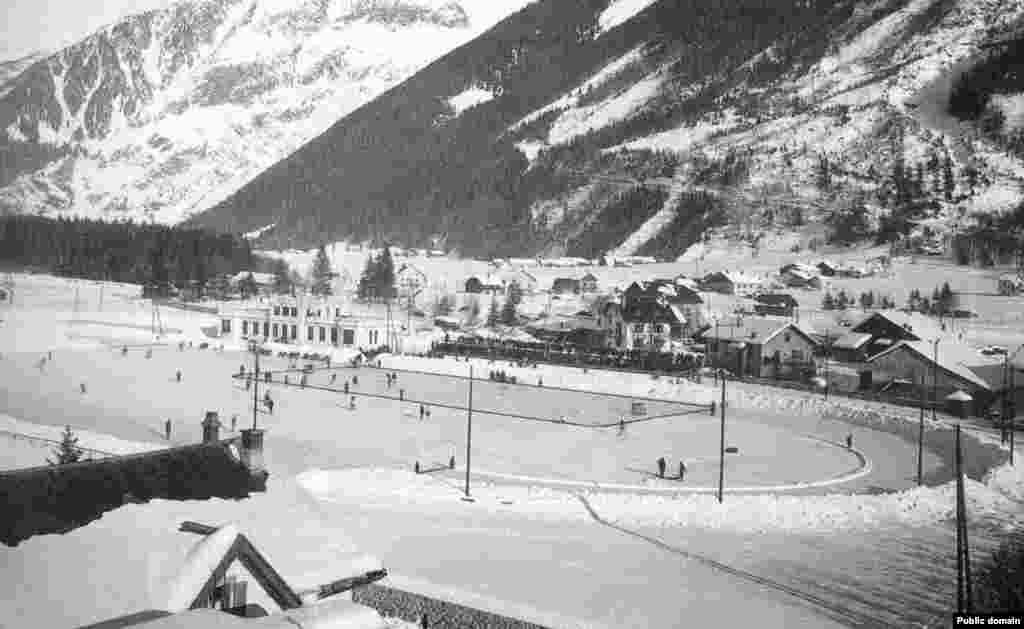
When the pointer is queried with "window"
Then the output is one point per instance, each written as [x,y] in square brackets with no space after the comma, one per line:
[334,336]
[295,331]
[786,337]
[348,337]
[337,312]
[638,328]
[275,331]
[277,311]
[225,325]
[266,328]
[245,328]
[309,333]
[797,355]
[323,334]
[295,311]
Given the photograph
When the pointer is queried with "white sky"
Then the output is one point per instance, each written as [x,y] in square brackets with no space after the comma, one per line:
[49,25]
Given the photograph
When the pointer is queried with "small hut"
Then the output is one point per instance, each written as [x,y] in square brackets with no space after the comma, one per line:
[959,403]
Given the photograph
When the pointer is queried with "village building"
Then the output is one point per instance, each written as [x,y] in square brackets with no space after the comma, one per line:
[651,315]
[264,281]
[307,321]
[795,277]
[1010,285]
[566,286]
[885,330]
[775,304]
[588,283]
[762,347]
[477,286]
[522,278]
[827,268]
[410,280]
[731,283]
[935,371]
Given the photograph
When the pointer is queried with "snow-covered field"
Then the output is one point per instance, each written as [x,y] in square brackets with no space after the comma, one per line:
[342,486]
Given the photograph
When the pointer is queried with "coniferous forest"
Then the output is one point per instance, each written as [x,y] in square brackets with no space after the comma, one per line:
[122,251]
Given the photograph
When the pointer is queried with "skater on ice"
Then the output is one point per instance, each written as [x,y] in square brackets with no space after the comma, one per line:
[234,422]
[849,441]
[167,429]
[682,470]
[352,403]
[661,467]
[423,412]
[177,375]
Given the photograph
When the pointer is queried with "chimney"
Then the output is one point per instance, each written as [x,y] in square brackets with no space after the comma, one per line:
[252,449]
[211,427]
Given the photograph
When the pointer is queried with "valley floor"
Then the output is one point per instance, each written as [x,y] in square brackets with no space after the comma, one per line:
[342,489]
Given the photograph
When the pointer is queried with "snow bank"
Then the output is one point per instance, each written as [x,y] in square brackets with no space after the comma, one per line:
[740,513]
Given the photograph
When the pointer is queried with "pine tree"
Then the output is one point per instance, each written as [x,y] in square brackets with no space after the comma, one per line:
[384,279]
[948,183]
[493,314]
[842,300]
[508,311]
[282,277]
[867,300]
[322,273]
[828,302]
[247,286]
[913,300]
[474,311]
[67,451]
[367,281]
[443,306]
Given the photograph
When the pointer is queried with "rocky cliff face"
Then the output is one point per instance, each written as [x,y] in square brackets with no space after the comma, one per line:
[158,114]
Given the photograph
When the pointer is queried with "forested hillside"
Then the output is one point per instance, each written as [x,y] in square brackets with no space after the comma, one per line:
[407,167]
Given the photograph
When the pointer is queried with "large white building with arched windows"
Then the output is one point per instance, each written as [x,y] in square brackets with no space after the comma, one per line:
[313,322]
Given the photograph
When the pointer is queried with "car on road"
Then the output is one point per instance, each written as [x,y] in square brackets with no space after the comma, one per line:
[993,350]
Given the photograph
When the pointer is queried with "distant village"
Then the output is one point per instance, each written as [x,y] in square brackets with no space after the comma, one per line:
[774,328]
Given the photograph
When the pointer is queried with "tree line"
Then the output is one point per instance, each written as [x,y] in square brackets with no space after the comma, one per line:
[123,251]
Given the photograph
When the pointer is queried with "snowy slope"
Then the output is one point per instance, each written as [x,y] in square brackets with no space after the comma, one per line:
[890,66]
[165,113]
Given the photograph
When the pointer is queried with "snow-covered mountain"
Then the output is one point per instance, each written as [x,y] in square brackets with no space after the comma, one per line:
[633,126]
[166,112]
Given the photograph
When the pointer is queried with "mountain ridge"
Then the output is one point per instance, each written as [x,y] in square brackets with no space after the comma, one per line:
[152,116]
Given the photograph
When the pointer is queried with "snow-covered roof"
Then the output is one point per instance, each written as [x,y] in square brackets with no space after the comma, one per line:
[753,329]
[924,328]
[852,340]
[958,359]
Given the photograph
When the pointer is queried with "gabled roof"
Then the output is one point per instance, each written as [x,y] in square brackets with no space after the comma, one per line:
[777,299]
[924,328]
[852,340]
[589,277]
[956,359]
[754,329]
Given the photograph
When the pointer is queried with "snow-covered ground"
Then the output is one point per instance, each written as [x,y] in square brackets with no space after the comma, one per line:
[342,488]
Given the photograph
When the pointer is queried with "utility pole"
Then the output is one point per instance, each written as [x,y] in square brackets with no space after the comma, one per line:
[256,383]
[963,563]
[721,449]
[935,380]
[920,440]
[469,432]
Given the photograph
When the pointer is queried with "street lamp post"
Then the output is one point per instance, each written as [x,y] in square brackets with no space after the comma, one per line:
[469,432]
[721,449]
[935,380]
